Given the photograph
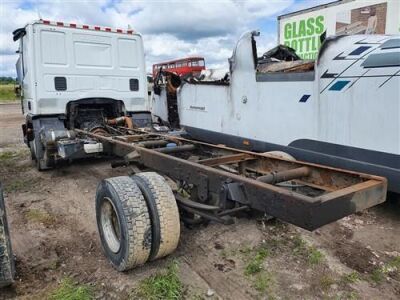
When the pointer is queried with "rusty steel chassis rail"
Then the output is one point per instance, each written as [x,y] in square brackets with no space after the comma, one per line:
[341,192]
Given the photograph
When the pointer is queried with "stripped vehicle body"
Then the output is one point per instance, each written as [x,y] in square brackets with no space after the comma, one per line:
[341,110]
[224,180]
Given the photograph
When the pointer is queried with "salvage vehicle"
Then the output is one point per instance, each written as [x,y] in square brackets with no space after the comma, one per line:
[7,267]
[175,179]
[78,76]
[341,110]
[85,93]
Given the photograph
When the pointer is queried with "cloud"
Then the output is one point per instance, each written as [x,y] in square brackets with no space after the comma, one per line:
[7,64]
[170,29]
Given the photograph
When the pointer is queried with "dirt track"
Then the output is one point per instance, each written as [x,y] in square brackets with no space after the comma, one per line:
[54,235]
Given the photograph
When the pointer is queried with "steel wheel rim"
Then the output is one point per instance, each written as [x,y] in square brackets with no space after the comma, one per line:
[110,225]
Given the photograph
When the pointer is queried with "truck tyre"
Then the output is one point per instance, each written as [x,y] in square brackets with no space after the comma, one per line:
[32,150]
[163,212]
[42,163]
[37,155]
[7,267]
[281,154]
[123,222]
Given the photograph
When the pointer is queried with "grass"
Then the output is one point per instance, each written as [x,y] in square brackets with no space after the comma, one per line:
[352,295]
[12,158]
[163,285]
[13,165]
[16,185]
[263,282]
[315,257]
[255,264]
[40,216]
[312,254]
[326,281]
[70,290]
[300,245]
[20,184]
[260,278]
[6,155]
[7,93]
[377,275]
[390,268]
[393,265]
[350,278]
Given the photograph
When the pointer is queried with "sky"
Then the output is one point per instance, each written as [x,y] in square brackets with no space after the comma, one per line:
[170,29]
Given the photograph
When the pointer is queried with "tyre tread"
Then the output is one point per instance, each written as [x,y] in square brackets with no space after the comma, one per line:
[137,220]
[167,211]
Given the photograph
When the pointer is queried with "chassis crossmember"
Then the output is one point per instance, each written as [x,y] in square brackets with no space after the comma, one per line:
[224,181]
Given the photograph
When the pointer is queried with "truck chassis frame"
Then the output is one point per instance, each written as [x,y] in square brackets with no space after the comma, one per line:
[224,180]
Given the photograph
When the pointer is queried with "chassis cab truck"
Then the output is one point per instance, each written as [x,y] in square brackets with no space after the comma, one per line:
[85,77]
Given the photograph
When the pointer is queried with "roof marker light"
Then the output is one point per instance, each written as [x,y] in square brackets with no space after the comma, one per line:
[98,28]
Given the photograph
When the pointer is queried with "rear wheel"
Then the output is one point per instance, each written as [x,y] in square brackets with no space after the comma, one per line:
[163,212]
[32,150]
[123,222]
[281,154]
[7,268]
[38,155]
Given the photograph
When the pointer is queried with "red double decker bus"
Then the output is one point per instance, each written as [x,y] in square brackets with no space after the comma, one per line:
[184,66]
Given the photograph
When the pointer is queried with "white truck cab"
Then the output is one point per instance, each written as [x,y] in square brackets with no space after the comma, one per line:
[77,76]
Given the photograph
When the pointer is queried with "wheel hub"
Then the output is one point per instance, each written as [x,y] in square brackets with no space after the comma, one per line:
[110,225]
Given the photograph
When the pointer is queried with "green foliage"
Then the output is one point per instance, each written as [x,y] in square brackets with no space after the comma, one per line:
[165,285]
[299,245]
[7,80]
[7,93]
[37,215]
[352,296]
[390,268]
[69,290]
[263,282]
[12,158]
[377,275]
[326,281]
[300,248]
[395,263]
[255,264]
[352,277]
[6,155]
[315,256]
